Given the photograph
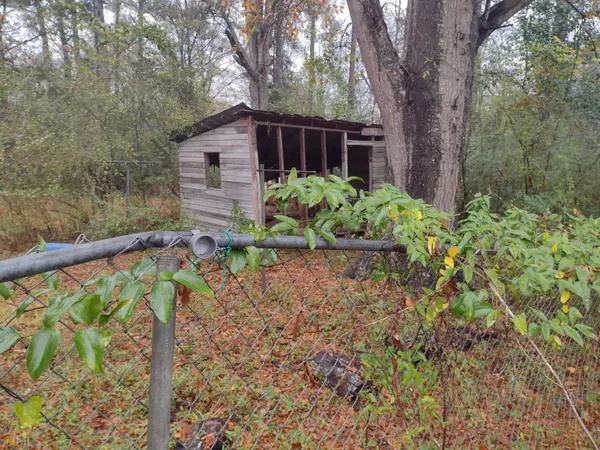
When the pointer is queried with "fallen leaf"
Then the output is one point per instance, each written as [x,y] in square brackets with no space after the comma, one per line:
[297,324]
[184,294]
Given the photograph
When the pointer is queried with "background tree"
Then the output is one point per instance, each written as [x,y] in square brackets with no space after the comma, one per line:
[424,96]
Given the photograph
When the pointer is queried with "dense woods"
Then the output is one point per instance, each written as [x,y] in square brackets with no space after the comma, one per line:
[493,97]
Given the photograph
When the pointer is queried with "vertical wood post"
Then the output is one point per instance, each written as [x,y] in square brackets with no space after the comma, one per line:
[127,176]
[261,195]
[161,368]
[280,154]
[344,155]
[303,167]
[324,153]
[257,187]
[302,152]
[371,149]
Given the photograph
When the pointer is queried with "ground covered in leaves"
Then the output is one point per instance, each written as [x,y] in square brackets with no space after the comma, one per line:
[245,357]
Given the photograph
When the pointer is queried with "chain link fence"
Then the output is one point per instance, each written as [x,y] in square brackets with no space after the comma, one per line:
[310,351]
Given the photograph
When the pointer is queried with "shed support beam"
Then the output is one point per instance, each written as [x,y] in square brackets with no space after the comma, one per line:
[303,167]
[324,153]
[280,154]
[344,156]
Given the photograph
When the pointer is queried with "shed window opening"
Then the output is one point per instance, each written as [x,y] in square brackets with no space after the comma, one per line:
[213,170]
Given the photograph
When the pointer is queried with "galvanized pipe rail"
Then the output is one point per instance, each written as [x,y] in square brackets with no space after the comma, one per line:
[33,264]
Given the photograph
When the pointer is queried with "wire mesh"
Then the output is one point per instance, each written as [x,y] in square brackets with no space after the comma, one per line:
[298,355]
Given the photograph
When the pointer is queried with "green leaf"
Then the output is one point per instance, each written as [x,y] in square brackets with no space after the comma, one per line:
[23,306]
[586,330]
[4,291]
[143,267]
[41,244]
[492,317]
[540,315]
[193,281]
[106,336]
[29,412]
[129,298]
[574,315]
[328,236]
[293,223]
[237,260]
[165,276]
[161,300]
[8,337]
[57,310]
[573,334]
[468,273]
[546,330]
[520,323]
[86,310]
[534,329]
[51,280]
[41,350]
[293,175]
[281,226]
[311,238]
[105,288]
[90,346]
[253,258]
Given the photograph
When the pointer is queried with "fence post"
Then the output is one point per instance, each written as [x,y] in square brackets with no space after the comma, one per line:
[161,369]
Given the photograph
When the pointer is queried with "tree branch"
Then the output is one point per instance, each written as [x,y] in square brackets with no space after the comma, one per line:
[497,15]
[239,55]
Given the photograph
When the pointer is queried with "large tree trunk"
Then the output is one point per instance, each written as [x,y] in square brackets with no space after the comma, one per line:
[424,99]
[259,92]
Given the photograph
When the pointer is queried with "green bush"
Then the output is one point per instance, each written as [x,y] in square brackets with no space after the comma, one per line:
[112,223]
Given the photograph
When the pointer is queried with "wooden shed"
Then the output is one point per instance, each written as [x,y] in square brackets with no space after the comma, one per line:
[226,161]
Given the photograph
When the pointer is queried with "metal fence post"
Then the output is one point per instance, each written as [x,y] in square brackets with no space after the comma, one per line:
[161,371]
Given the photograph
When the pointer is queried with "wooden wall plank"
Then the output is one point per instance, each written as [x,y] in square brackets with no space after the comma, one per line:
[253,159]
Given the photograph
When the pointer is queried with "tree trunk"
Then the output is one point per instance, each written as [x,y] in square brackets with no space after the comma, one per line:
[259,46]
[352,74]
[424,100]
[140,19]
[312,81]
[41,24]
[255,59]
[64,41]
[75,31]
[259,92]
[97,7]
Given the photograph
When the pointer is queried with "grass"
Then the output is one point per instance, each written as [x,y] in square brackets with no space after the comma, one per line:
[241,356]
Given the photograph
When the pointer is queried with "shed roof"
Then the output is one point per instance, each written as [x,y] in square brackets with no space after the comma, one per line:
[242,110]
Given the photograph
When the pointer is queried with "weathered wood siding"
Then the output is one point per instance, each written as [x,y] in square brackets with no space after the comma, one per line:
[378,164]
[209,207]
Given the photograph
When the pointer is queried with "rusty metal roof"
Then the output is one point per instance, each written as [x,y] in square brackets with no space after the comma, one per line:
[242,110]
